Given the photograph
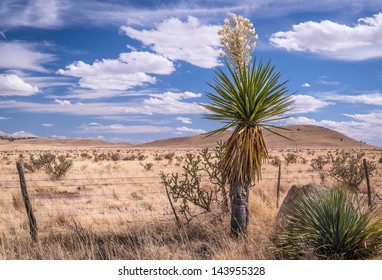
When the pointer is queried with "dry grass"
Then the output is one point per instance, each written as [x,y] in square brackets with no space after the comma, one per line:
[109,206]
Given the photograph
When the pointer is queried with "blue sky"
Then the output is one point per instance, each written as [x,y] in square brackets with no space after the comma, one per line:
[136,71]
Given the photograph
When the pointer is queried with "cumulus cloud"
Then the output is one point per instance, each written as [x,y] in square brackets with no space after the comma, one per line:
[330,39]
[374,98]
[167,103]
[307,104]
[63,102]
[47,125]
[307,85]
[189,41]
[13,85]
[372,118]
[128,71]
[27,56]
[164,104]
[184,120]
[184,129]
[36,13]
[22,134]
[123,129]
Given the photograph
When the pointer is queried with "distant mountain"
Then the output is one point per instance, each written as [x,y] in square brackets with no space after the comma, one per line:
[301,136]
[56,142]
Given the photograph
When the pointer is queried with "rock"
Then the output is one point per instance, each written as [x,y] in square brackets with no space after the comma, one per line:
[295,192]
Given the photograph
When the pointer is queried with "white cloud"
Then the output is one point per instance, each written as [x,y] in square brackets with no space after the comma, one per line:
[36,13]
[307,104]
[164,104]
[47,125]
[330,39]
[184,120]
[307,85]
[63,102]
[167,103]
[28,56]
[324,81]
[372,118]
[123,129]
[49,82]
[13,85]
[128,71]
[22,134]
[189,41]
[374,98]
[184,129]
[3,118]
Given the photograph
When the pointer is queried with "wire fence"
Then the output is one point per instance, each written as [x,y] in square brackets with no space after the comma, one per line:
[109,201]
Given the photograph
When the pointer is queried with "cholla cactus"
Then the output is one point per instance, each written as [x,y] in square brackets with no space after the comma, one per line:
[239,40]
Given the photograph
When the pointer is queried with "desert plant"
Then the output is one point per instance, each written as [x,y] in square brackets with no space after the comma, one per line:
[246,98]
[189,188]
[318,163]
[329,225]
[115,156]
[169,156]
[43,160]
[275,161]
[380,160]
[348,169]
[148,166]
[57,170]
[291,158]
[303,160]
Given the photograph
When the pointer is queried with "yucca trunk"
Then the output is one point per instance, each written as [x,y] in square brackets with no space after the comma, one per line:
[243,155]
[239,194]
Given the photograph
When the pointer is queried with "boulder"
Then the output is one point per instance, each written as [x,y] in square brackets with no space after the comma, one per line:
[295,192]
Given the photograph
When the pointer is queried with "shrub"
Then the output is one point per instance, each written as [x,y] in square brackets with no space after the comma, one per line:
[141,157]
[85,155]
[115,156]
[380,160]
[148,166]
[190,189]
[130,157]
[318,163]
[291,158]
[329,225]
[347,169]
[275,161]
[169,156]
[57,170]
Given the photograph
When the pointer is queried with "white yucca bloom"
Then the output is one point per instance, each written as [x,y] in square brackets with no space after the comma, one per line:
[239,41]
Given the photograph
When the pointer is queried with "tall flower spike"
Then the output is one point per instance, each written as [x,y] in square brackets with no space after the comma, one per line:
[238,39]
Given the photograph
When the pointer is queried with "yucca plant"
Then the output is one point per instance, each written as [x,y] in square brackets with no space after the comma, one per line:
[247,100]
[330,225]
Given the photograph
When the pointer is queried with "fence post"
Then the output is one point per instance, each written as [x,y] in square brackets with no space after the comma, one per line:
[28,206]
[367,183]
[278,187]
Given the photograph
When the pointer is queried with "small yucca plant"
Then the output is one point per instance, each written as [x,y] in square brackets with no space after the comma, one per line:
[330,225]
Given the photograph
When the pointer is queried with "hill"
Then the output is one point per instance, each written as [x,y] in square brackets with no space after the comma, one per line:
[301,136]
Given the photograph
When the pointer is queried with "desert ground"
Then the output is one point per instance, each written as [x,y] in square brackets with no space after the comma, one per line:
[111,203]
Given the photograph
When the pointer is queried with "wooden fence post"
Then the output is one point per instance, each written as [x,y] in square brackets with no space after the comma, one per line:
[28,206]
[278,187]
[367,183]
